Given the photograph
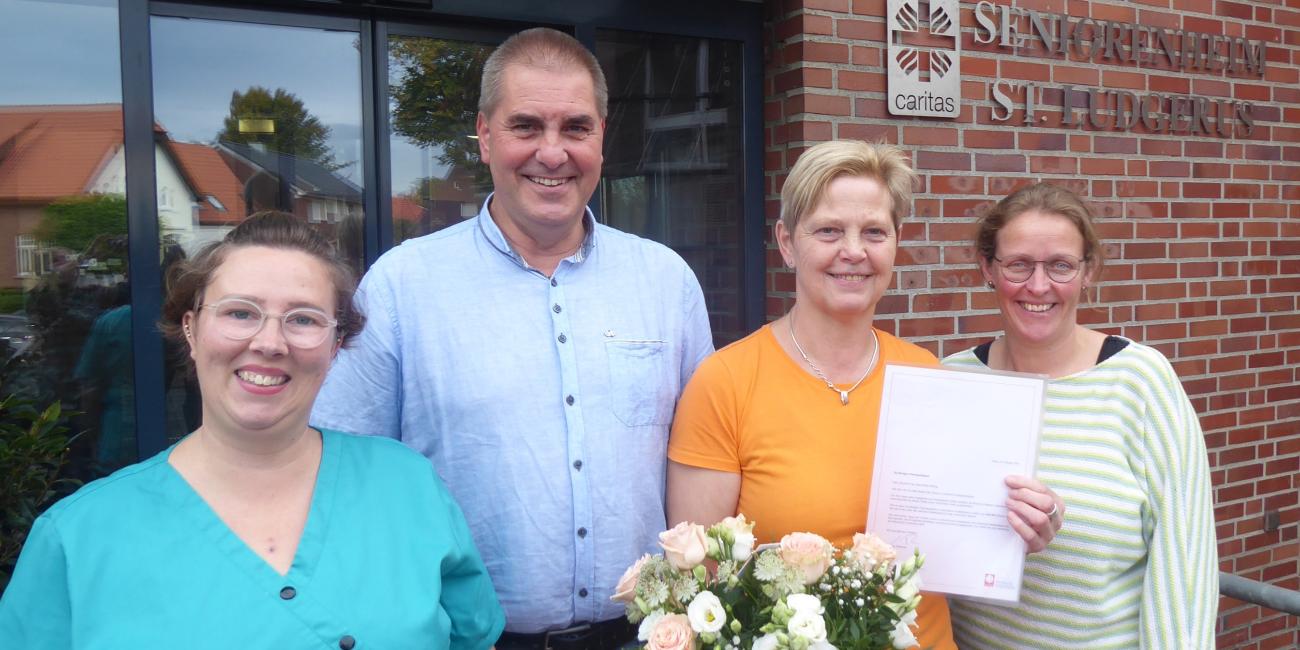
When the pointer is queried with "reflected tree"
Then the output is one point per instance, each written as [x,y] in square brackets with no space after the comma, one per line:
[296,131]
[436,101]
[73,222]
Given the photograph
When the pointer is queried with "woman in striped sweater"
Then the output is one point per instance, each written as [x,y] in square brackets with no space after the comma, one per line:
[1134,564]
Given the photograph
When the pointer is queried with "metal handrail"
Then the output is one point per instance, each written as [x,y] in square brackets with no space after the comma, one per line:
[1259,593]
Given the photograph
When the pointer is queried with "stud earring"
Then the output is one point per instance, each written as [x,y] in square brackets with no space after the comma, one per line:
[988,283]
[188,333]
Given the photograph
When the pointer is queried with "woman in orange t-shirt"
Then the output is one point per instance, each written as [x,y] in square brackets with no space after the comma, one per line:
[781,425]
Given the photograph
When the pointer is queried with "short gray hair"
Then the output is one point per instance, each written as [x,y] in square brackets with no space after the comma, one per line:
[544,48]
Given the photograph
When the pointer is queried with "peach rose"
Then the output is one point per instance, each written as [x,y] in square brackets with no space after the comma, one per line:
[685,545]
[625,592]
[870,551]
[809,553]
[672,632]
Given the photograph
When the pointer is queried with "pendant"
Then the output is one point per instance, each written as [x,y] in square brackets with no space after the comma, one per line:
[844,397]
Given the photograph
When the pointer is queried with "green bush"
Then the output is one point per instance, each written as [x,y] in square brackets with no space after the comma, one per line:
[33,450]
[11,300]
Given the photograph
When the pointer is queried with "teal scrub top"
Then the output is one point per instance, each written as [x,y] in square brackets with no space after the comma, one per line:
[139,560]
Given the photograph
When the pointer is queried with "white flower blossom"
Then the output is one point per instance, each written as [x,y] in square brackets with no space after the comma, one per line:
[901,636]
[807,625]
[706,613]
[766,642]
[648,625]
[804,604]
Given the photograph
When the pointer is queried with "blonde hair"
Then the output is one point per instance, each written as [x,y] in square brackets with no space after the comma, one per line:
[825,162]
[544,48]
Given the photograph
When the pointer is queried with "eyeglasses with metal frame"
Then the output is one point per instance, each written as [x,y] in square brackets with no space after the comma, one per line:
[1061,268]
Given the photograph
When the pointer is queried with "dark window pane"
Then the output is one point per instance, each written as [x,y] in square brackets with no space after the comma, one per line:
[252,117]
[438,179]
[673,156]
[65,318]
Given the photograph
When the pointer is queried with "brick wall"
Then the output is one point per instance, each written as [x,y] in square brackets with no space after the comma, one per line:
[1203,231]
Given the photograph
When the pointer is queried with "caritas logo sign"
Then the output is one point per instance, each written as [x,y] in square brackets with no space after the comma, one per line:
[924,38]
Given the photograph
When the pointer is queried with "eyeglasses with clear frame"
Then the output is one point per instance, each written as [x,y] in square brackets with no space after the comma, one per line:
[1062,268]
[239,320]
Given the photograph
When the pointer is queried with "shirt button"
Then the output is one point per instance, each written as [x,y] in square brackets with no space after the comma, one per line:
[556,308]
[554,283]
[582,532]
[562,338]
[569,400]
[582,592]
[577,464]
[288,593]
[347,642]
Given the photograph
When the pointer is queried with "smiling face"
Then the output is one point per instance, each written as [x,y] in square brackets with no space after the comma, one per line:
[1038,310]
[261,383]
[542,144]
[843,250]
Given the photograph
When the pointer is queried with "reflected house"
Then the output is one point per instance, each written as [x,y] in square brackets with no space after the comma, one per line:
[439,202]
[222,204]
[315,194]
[52,152]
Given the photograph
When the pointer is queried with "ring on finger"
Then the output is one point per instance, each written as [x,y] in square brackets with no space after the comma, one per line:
[1051,514]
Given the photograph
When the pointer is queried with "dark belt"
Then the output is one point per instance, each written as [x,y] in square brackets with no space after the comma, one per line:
[605,635]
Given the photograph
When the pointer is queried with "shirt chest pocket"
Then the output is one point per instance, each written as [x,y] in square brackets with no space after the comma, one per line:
[642,382]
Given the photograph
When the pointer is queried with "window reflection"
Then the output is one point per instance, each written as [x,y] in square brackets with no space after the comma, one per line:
[673,156]
[253,117]
[438,179]
[65,323]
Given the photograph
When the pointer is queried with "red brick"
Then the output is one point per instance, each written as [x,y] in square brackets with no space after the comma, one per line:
[1000,139]
[942,160]
[817,104]
[923,135]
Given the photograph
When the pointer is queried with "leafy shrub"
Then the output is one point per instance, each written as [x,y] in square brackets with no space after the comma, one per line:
[33,450]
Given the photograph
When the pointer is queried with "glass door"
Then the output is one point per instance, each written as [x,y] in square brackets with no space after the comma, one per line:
[253,116]
[432,88]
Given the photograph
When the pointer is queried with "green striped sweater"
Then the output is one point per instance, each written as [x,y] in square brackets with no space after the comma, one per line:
[1135,564]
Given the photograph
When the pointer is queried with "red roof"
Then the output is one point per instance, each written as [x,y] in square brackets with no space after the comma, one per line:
[407,209]
[208,172]
[47,152]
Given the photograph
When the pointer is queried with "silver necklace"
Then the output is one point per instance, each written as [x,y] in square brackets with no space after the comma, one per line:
[844,394]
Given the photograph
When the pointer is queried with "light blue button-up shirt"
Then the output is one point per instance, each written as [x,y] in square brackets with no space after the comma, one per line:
[544,403]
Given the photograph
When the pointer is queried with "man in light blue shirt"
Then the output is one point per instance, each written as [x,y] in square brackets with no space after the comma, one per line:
[534,355]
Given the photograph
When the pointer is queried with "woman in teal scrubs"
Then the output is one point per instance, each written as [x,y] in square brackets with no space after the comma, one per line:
[256,530]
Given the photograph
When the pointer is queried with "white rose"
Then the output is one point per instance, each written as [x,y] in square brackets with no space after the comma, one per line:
[648,625]
[743,546]
[766,642]
[807,625]
[804,604]
[822,645]
[742,534]
[706,613]
[901,636]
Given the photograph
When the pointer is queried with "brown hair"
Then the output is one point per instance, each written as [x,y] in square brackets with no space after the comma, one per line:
[544,48]
[1049,199]
[825,162]
[187,279]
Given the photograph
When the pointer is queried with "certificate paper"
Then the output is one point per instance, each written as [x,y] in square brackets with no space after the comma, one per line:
[947,439]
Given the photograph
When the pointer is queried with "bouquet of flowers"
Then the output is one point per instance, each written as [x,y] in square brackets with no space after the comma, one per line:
[803,594]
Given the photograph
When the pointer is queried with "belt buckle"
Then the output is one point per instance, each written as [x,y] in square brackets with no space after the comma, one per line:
[546,637]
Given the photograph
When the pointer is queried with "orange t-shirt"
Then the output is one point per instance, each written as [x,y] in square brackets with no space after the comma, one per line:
[805,460]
